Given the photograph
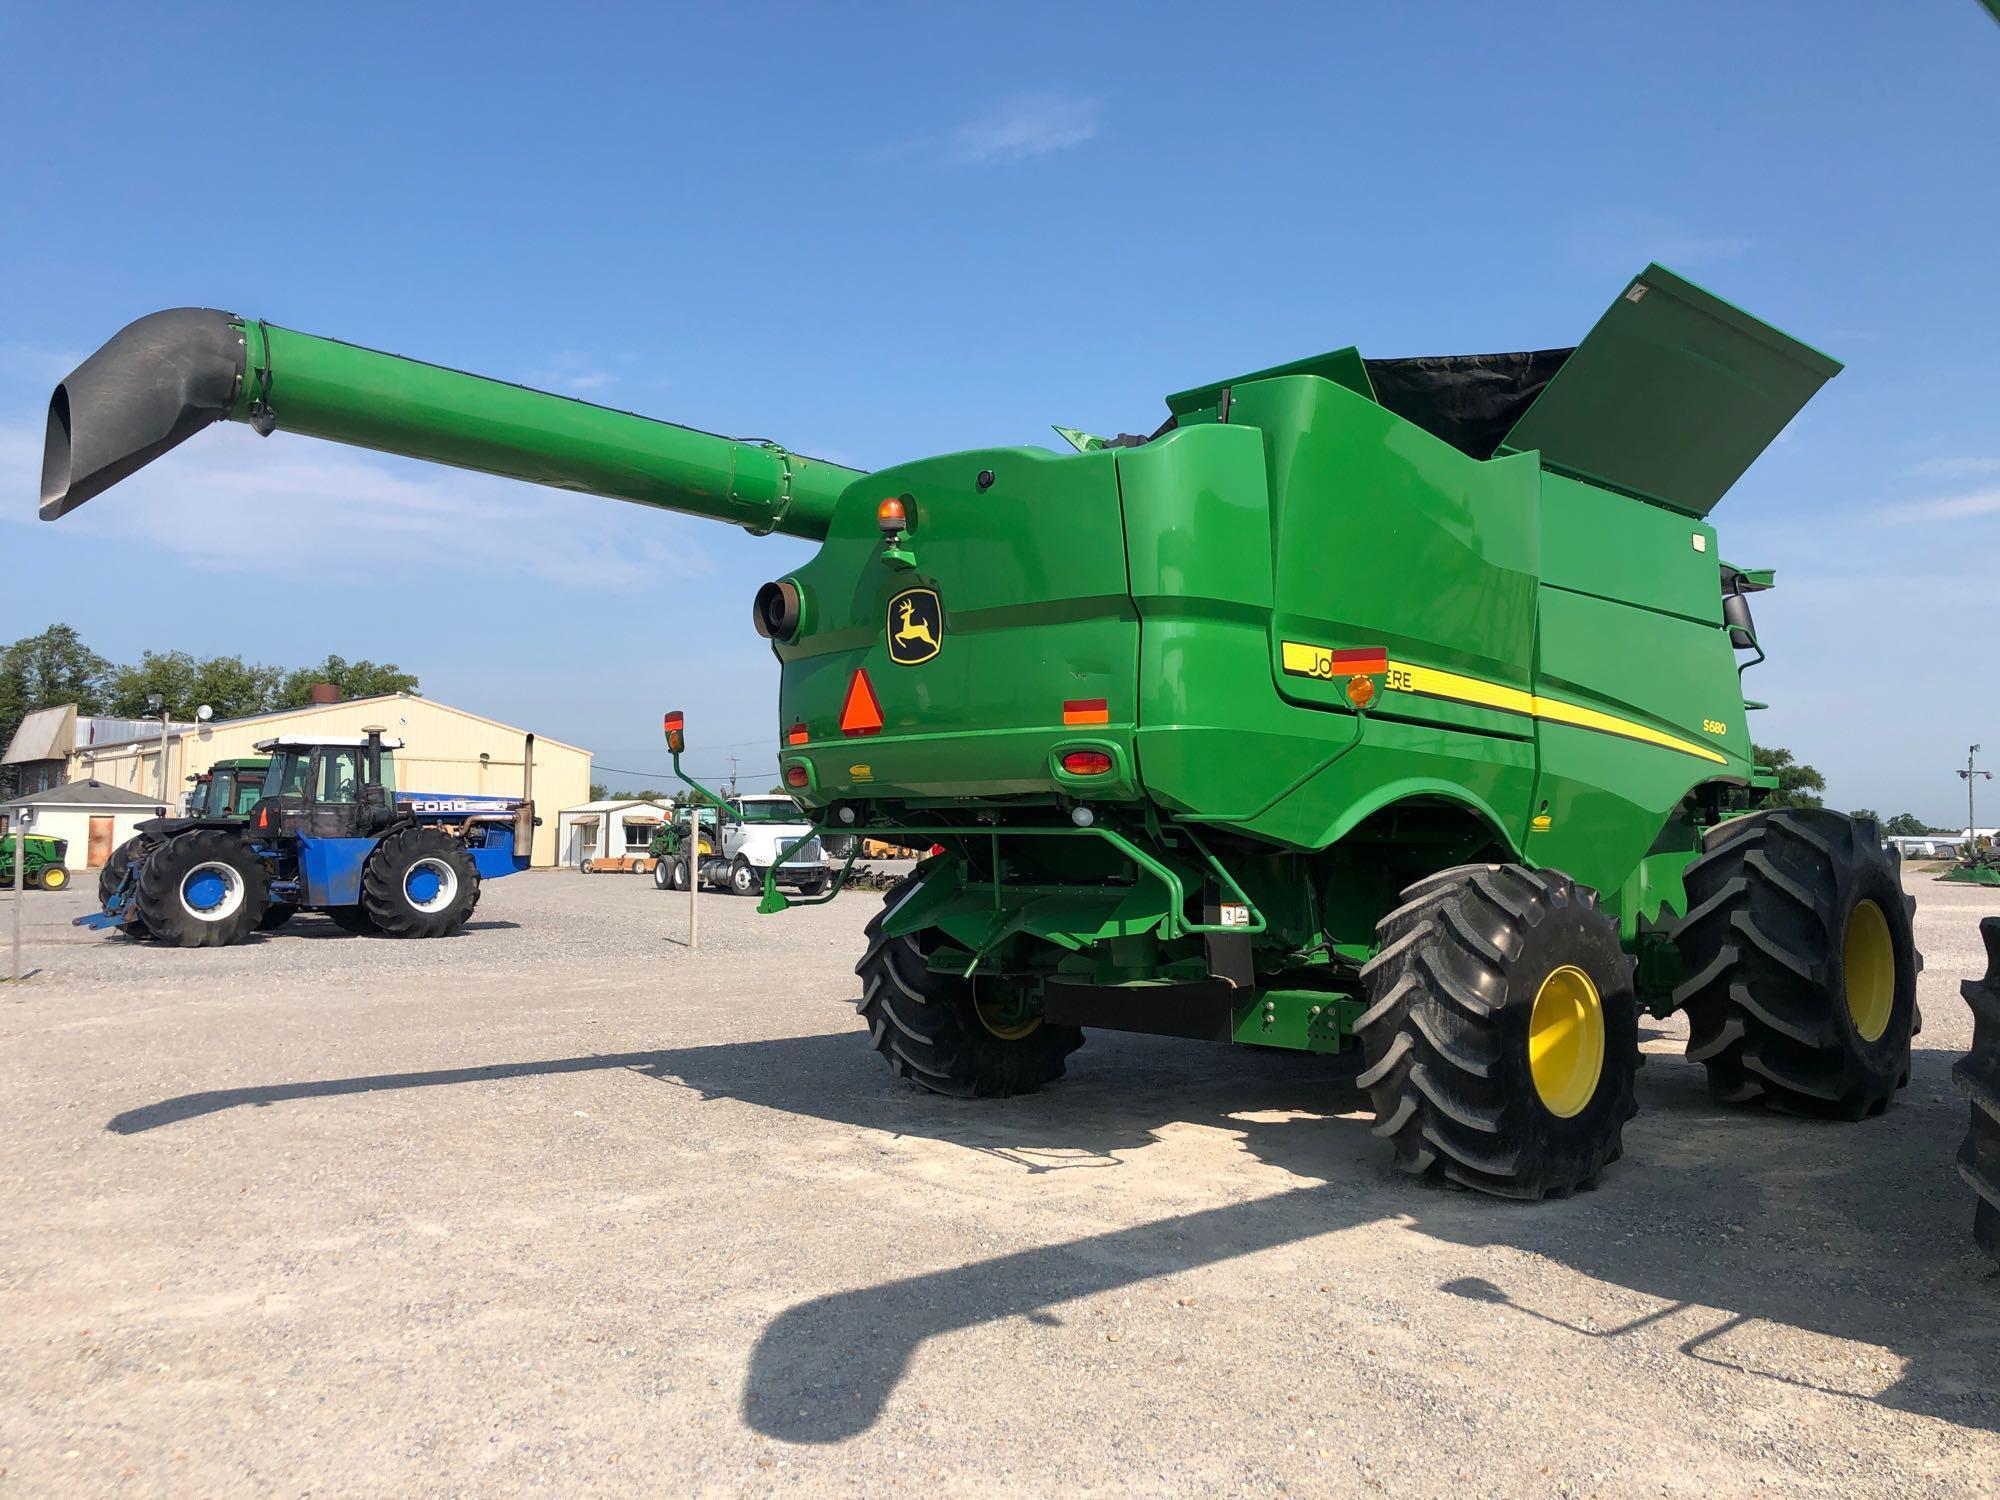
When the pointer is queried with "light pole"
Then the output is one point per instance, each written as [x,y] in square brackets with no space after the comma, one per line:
[1971,776]
[157,704]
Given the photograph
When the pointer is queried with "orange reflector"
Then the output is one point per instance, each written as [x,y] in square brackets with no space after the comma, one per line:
[796,776]
[1368,661]
[672,723]
[1361,691]
[1086,762]
[862,712]
[797,735]
[1086,711]
[891,516]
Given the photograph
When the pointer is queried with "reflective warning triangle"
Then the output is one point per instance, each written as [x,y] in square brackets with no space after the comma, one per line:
[862,712]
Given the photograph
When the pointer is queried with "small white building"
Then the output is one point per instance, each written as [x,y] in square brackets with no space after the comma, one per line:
[613,829]
[94,818]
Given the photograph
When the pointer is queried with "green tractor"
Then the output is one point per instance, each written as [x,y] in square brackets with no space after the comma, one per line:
[1376,705]
[42,867]
[225,792]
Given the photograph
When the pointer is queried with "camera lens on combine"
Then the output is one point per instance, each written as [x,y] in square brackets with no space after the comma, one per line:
[776,611]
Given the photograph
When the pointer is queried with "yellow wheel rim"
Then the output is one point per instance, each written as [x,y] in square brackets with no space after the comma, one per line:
[54,878]
[1566,1041]
[1003,1018]
[1868,962]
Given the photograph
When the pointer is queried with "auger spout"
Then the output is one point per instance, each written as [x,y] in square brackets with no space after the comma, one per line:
[162,379]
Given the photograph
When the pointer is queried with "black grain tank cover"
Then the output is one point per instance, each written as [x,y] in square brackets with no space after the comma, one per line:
[1471,401]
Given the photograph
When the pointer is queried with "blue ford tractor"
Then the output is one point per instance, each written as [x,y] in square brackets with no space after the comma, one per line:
[330,834]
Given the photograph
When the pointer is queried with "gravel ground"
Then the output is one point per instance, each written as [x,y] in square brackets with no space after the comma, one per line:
[560,1205]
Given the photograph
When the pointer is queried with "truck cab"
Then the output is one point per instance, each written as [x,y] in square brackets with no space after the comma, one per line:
[757,829]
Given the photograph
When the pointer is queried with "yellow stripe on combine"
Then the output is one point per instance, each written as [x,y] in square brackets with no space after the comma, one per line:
[1429,682]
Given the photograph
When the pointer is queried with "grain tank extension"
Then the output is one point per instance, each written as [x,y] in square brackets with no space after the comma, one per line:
[1376,704]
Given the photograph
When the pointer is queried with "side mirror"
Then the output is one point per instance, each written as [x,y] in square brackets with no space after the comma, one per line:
[676,731]
[1736,615]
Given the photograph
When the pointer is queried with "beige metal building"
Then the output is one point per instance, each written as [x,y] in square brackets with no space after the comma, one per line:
[445,749]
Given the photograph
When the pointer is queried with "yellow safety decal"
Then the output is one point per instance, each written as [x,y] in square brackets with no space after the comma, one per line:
[1430,682]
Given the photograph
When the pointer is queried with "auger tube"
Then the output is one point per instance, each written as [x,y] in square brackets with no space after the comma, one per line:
[162,379]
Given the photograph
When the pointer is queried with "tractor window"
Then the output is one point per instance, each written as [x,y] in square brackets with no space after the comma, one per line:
[339,778]
[248,790]
[287,776]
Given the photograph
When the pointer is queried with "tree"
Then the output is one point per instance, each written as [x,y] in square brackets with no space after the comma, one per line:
[231,686]
[42,671]
[355,679]
[1906,824]
[597,792]
[1799,785]
[1866,812]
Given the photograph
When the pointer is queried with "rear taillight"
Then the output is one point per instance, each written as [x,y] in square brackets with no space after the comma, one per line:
[796,776]
[1086,762]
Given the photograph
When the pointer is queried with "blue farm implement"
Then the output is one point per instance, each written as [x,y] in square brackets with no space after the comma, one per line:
[330,834]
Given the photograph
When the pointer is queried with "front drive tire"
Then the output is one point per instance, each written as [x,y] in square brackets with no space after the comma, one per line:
[53,878]
[419,883]
[930,1030]
[1801,970]
[1502,1033]
[203,889]
[743,879]
[1978,1074]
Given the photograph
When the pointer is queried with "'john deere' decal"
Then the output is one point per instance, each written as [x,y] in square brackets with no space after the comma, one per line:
[916,626]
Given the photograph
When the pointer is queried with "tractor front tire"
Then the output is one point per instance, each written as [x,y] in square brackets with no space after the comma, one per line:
[419,883]
[202,889]
[276,915]
[53,878]
[1801,969]
[1978,1073]
[931,1029]
[1501,1038]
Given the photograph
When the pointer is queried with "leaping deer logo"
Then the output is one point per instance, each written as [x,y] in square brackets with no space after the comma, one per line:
[916,620]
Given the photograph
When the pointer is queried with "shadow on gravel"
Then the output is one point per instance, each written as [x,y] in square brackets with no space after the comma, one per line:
[1849,1231]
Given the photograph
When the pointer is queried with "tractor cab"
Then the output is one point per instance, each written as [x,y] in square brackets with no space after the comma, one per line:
[328,788]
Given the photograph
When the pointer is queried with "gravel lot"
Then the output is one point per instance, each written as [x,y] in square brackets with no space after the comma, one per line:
[560,1205]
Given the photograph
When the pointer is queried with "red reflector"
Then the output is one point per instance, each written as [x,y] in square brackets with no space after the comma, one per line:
[862,712]
[672,723]
[1086,762]
[1368,660]
[797,735]
[1086,711]
[796,776]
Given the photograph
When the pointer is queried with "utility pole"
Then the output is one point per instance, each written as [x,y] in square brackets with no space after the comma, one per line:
[694,867]
[1971,776]
[21,816]
[158,705]
[732,776]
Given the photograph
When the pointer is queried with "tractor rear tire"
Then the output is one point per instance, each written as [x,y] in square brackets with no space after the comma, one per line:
[202,889]
[276,915]
[1978,1073]
[1801,969]
[1502,1032]
[929,1027]
[419,883]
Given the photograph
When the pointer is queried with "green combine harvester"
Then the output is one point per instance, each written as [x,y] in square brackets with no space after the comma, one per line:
[1376,704]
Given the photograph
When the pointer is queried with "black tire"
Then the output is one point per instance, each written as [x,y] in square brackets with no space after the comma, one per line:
[743,879]
[52,878]
[353,919]
[173,878]
[677,875]
[276,915]
[815,885]
[1777,902]
[661,875]
[412,853]
[927,1026]
[1454,992]
[113,874]
[1978,1073]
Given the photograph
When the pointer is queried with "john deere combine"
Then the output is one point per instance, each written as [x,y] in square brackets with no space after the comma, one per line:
[1376,703]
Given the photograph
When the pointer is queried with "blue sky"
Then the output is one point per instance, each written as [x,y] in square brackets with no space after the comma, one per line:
[876,232]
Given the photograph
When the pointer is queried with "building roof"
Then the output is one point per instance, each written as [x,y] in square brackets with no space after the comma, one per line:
[181,727]
[83,794]
[651,804]
[43,734]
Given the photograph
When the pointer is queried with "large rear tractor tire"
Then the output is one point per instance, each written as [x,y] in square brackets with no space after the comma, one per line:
[1978,1073]
[1502,1032]
[419,883]
[1801,987]
[276,915]
[932,1029]
[202,889]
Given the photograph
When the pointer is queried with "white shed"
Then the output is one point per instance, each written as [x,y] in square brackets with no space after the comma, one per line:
[95,818]
[613,829]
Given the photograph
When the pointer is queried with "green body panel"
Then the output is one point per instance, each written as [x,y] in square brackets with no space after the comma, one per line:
[1324,644]
[38,851]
